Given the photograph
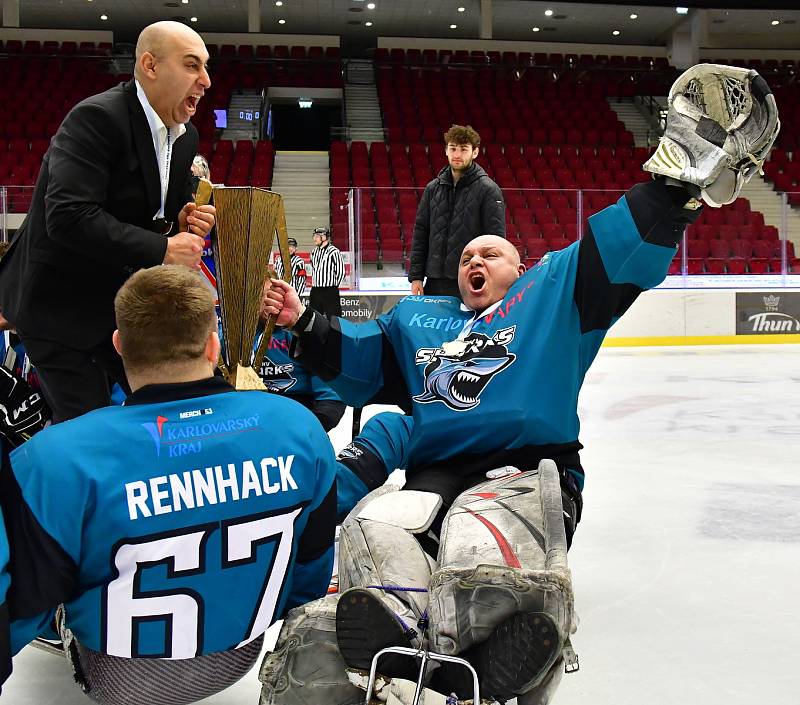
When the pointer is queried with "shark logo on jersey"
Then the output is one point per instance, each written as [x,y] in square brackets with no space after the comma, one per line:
[277,378]
[458,372]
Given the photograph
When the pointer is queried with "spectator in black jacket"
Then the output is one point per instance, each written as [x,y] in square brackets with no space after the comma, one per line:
[461,203]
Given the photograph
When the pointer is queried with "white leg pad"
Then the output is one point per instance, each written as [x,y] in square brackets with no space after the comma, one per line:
[377,553]
[503,550]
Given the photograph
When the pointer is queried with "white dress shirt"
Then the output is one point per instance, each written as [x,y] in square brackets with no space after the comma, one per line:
[163,139]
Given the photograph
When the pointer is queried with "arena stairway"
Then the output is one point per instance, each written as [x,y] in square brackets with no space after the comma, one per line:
[302,178]
[763,198]
[362,107]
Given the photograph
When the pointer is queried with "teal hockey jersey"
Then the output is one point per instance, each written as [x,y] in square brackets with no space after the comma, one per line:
[500,387]
[181,524]
[282,375]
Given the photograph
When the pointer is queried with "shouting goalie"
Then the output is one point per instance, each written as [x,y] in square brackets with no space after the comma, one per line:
[467,558]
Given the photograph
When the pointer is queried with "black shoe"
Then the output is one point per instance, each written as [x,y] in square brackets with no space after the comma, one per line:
[517,654]
[508,663]
[364,626]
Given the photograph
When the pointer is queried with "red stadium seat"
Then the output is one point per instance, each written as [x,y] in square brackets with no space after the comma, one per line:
[719,249]
[766,248]
[741,248]
[559,243]
[736,265]
[537,248]
[698,248]
[695,265]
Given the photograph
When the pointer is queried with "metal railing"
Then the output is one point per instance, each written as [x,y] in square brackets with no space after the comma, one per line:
[374,229]
[542,220]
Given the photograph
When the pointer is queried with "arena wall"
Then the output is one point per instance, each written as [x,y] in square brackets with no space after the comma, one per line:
[665,316]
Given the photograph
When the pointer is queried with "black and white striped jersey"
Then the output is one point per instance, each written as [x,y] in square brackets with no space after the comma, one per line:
[298,280]
[327,266]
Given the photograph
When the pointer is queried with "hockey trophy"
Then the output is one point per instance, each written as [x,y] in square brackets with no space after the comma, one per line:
[247,222]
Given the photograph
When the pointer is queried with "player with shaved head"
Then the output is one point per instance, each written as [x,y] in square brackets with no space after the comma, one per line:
[492,380]
[493,385]
[489,265]
[469,558]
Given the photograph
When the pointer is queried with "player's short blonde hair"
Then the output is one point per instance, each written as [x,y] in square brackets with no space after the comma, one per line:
[164,316]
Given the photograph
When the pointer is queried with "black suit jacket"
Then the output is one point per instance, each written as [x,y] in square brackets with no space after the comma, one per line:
[88,226]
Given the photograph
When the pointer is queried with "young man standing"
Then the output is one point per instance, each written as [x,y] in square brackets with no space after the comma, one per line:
[461,203]
[327,274]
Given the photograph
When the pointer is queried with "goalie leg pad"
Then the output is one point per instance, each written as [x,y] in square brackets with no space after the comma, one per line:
[377,553]
[306,667]
[503,552]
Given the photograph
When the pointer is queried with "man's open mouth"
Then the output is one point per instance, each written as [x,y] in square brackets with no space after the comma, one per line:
[476,281]
[192,101]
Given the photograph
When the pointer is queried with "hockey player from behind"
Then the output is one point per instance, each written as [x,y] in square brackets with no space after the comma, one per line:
[494,383]
[193,518]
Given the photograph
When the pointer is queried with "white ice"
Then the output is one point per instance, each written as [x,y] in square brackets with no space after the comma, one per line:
[687,561]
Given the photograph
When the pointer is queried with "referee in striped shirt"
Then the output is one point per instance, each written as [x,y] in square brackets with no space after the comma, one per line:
[298,280]
[327,273]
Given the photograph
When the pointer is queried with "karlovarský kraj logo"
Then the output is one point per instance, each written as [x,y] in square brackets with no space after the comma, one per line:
[185,436]
[156,431]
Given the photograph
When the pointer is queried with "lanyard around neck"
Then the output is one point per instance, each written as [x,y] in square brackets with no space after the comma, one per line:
[165,173]
[467,329]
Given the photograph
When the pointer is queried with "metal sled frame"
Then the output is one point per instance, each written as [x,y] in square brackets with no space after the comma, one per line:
[424,657]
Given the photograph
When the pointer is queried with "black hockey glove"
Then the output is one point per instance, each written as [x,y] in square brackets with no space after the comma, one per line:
[23,411]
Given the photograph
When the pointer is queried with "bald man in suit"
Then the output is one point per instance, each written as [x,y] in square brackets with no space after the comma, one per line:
[113,196]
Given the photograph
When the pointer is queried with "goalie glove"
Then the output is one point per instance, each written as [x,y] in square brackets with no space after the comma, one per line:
[23,411]
[721,124]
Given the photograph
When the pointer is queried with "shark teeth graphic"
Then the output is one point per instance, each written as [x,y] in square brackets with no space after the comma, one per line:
[466,400]
[465,387]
